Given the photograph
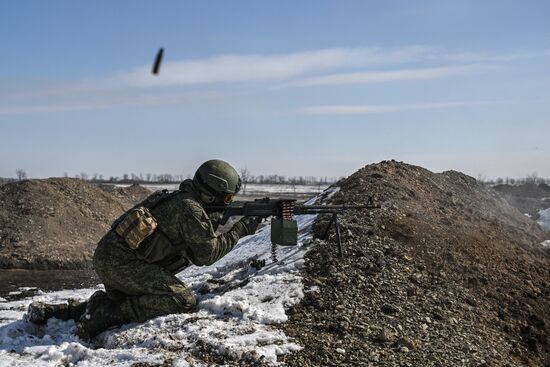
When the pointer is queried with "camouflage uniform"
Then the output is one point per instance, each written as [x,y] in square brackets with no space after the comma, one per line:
[139,279]
[142,282]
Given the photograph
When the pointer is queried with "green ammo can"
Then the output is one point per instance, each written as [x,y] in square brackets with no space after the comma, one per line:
[284,232]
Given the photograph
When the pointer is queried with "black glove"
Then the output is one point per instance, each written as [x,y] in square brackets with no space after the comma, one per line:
[251,224]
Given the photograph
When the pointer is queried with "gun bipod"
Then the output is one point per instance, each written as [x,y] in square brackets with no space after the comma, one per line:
[334,220]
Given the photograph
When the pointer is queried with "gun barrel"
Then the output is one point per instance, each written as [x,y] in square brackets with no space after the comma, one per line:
[257,208]
[319,209]
[341,207]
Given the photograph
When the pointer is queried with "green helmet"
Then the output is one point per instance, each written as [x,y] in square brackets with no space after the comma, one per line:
[217,178]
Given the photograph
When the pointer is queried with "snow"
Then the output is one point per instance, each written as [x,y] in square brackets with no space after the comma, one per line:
[235,317]
[544,218]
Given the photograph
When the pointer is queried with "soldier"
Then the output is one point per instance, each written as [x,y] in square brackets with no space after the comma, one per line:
[140,281]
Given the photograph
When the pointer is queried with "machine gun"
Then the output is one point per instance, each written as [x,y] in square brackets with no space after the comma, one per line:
[284,228]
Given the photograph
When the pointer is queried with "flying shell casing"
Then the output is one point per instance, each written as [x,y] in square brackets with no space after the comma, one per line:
[284,232]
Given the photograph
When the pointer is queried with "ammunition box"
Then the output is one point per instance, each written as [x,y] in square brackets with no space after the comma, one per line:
[284,232]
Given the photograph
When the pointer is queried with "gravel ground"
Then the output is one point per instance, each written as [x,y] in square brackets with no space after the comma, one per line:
[448,274]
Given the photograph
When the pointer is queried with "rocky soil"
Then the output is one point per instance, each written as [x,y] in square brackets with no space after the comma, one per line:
[448,274]
[56,223]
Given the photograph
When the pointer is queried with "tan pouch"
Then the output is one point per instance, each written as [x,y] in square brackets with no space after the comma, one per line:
[138,224]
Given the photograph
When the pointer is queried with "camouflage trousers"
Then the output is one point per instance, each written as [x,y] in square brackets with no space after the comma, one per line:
[141,290]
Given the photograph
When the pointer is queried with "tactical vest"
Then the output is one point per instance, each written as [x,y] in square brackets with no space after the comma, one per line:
[138,223]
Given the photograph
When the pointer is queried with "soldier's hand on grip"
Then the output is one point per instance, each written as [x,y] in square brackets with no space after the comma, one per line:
[251,224]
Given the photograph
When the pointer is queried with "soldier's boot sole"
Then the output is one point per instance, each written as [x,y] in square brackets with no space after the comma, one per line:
[39,312]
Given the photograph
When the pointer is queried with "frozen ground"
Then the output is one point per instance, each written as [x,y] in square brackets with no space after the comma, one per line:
[237,306]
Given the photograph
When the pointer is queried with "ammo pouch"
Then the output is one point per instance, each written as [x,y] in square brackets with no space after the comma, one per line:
[136,226]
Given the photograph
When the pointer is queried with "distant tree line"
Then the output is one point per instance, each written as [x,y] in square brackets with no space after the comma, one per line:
[166,178]
[247,177]
[533,178]
[125,178]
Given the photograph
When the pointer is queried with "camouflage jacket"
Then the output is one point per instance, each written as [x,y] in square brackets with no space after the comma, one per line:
[186,233]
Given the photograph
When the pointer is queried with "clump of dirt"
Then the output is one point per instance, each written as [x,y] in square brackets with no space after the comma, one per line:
[447,274]
[56,223]
[529,198]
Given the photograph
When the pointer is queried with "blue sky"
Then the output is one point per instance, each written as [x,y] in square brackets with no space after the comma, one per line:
[291,87]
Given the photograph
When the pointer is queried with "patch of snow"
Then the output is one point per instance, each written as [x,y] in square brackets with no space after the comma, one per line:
[331,191]
[234,316]
[545,244]
[544,218]
[180,362]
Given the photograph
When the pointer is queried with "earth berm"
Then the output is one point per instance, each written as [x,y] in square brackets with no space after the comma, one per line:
[56,223]
[447,274]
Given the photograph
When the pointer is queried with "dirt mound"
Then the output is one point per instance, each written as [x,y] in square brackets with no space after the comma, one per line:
[56,223]
[448,274]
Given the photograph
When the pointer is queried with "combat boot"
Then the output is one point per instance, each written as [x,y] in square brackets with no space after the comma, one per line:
[39,312]
[101,314]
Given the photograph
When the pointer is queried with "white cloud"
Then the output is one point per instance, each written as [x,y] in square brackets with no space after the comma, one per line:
[116,89]
[93,101]
[370,109]
[238,68]
[384,76]
[253,67]
[307,68]
[474,57]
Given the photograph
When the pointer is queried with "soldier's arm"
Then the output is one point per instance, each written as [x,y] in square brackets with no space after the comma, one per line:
[203,245]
